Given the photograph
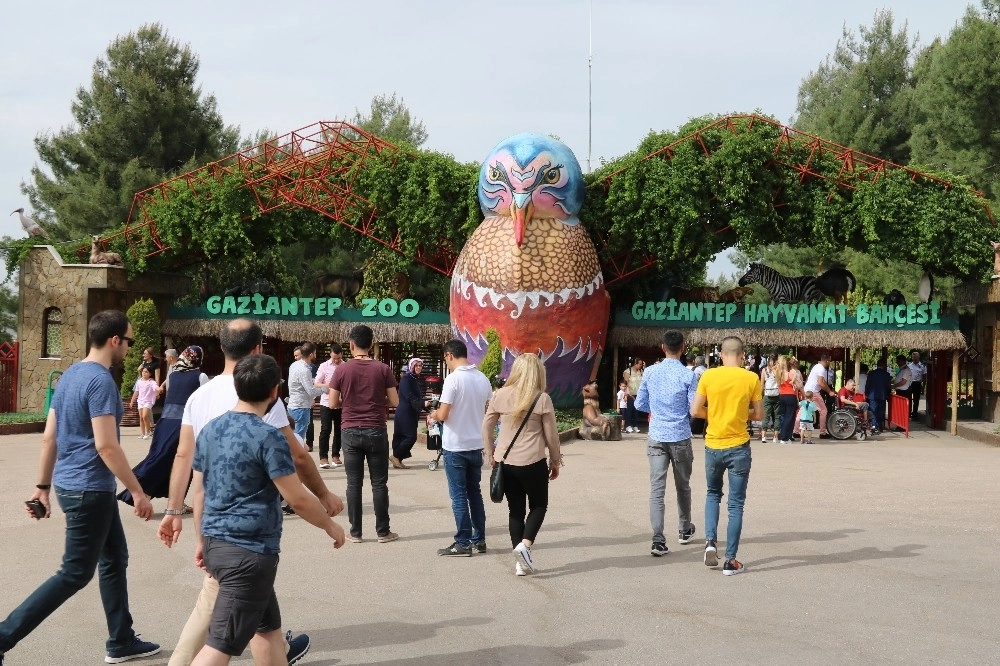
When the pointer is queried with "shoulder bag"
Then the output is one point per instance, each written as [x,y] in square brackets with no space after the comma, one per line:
[496,477]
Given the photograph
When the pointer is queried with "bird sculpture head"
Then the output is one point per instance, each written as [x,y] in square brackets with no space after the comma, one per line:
[19,210]
[531,175]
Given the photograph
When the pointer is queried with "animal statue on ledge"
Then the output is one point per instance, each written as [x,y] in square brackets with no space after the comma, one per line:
[30,225]
[836,283]
[894,298]
[594,425]
[996,260]
[784,289]
[925,288]
[530,270]
[103,258]
[735,295]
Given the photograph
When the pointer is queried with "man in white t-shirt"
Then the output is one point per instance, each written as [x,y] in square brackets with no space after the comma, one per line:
[917,372]
[239,338]
[818,384]
[463,405]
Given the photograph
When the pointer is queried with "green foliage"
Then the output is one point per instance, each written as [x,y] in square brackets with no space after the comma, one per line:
[390,119]
[8,313]
[492,363]
[142,118]
[22,417]
[145,322]
[862,94]
[567,419]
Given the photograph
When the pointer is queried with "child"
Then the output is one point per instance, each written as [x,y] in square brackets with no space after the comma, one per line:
[623,401]
[144,391]
[807,408]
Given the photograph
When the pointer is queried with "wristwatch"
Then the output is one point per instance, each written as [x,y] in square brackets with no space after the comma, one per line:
[173,512]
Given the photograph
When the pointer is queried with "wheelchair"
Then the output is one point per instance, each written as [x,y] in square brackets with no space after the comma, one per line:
[846,422]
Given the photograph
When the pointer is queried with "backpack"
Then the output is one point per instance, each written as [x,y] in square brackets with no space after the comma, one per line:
[770,383]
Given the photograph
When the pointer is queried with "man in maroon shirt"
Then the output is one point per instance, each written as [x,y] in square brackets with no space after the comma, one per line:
[364,389]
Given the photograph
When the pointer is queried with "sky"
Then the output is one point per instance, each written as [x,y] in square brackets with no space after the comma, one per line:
[474,72]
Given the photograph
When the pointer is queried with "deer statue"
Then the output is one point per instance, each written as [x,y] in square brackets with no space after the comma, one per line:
[996,260]
[98,257]
[343,285]
[400,286]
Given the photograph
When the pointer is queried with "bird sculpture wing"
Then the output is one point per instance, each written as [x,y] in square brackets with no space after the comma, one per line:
[32,227]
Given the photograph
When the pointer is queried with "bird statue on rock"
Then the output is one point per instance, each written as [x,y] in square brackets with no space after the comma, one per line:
[530,270]
[30,225]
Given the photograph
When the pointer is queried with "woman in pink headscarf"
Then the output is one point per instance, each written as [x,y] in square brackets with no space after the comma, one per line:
[411,402]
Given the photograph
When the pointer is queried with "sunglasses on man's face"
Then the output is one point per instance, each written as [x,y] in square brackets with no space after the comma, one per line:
[130,341]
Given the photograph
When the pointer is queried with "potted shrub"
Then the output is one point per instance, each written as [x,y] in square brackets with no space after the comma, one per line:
[145,322]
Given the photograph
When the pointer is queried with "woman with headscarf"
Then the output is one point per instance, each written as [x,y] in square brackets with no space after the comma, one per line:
[411,402]
[154,470]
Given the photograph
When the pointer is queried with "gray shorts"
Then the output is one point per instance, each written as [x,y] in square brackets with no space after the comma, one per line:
[246,604]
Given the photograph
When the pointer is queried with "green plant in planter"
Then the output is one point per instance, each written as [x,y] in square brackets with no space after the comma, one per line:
[145,322]
[21,417]
[492,362]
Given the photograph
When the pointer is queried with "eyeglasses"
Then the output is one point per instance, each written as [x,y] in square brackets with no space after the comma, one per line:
[130,341]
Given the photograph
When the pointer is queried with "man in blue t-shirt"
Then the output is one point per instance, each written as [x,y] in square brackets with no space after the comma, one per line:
[81,456]
[240,465]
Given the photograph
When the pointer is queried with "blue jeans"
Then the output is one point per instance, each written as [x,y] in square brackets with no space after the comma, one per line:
[735,461]
[369,445]
[95,541]
[464,470]
[302,417]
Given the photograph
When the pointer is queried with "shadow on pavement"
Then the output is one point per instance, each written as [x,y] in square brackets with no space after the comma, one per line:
[574,653]
[859,555]
[792,537]
[367,636]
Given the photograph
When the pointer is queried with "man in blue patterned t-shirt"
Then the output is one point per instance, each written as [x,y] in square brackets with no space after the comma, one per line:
[667,391]
[240,465]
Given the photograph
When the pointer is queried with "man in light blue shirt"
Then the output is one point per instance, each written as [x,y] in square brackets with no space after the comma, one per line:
[667,391]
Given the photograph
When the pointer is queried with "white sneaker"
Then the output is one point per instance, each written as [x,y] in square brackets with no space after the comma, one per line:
[763,440]
[711,555]
[524,553]
[519,569]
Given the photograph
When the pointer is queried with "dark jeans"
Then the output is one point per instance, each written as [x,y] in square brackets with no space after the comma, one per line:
[464,470]
[631,414]
[310,432]
[789,405]
[95,540]
[371,445]
[916,388]
[329,419]
[876,407]
[526,485]
[720,463]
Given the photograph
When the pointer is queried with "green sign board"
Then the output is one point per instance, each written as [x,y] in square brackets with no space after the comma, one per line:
[308,308]
[812,316]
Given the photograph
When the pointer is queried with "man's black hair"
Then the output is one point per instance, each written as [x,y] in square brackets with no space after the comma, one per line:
[239,338]
[254,377]
[456,348]
[105,325]
[335,348]
[900,359]
[673,341]
[307,349]
[362,337]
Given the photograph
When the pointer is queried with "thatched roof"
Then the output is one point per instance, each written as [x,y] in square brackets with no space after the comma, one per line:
[652,336]
[294,331]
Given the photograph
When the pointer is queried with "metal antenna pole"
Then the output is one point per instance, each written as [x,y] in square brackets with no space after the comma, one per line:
[590,85]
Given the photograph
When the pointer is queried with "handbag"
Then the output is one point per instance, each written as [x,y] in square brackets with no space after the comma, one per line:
[496,476]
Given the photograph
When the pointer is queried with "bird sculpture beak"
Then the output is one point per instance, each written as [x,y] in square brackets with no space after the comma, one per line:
[521,210]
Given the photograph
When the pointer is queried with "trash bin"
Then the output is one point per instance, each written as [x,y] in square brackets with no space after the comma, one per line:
[615,419]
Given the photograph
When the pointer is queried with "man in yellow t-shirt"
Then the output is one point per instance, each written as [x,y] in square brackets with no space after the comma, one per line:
[728,396]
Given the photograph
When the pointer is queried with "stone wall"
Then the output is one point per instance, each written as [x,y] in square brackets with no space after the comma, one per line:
[79,291]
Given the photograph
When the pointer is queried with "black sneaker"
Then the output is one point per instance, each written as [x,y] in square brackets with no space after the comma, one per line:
[287,510]
[137,648]
[481,546]
[711,554]
[733,567]
[297,647]
[658,549]
[687,535]
[456,550]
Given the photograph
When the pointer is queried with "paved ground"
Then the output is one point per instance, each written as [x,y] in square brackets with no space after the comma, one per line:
[876,552]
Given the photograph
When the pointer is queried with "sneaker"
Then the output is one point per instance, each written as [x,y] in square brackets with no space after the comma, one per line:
[336,462]
[297,647]
[711,555]
[784,441]
[763,440]
[325,465]
[658,549]
[355,539]
[519,569]
[287,510]
[456,550]
[733,567]
[137,648]
[481,546]
[524,553]
[387,537]
[685,537]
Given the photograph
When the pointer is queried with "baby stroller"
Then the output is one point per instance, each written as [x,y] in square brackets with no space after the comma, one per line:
[434,444]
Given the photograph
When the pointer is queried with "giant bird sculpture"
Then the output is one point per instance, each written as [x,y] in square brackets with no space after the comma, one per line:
[530,270]
[30,225]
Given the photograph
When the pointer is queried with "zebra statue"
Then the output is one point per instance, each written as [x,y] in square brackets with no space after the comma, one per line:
[784,289]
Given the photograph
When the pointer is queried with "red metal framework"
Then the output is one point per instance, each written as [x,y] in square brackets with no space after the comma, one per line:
[8,377]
